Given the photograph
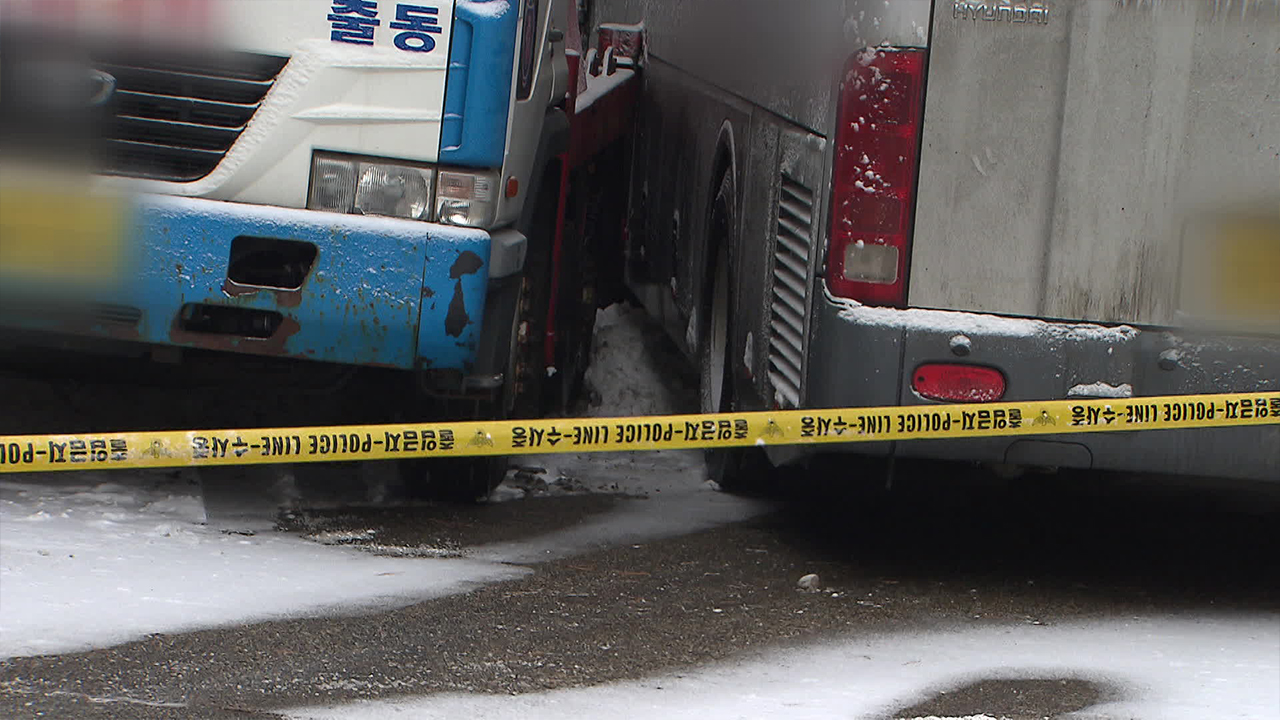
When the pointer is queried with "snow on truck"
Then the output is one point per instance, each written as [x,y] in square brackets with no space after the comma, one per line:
[853,203]
[357,182]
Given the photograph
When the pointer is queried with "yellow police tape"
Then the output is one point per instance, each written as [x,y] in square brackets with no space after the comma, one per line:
[173,448]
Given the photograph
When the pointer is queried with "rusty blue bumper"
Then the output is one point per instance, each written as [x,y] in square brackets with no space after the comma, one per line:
[274,281]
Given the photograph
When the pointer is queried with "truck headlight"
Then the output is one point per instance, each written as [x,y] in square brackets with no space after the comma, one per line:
[333,184]
[346,185]
[394,191]
[466,198]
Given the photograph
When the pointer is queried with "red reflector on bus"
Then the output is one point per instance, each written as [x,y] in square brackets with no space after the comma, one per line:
[958,383]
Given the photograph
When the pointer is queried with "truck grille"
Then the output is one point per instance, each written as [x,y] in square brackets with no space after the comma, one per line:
[175,119]
[792,245]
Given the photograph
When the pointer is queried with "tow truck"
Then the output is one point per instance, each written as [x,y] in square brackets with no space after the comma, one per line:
[413,185]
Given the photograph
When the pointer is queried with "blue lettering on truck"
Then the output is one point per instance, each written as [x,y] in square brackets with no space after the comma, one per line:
[481,59]
[356,22]
[418,23]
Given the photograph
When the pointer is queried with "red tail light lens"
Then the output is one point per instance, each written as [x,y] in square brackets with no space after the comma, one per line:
[528,45]
[958,383]
[874,175]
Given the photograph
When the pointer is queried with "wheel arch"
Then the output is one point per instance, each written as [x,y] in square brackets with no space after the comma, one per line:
[724,160]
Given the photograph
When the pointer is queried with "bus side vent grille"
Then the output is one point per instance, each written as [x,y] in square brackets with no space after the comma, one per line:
[793,241]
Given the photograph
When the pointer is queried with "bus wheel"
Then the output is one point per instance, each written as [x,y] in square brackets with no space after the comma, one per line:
[734,469]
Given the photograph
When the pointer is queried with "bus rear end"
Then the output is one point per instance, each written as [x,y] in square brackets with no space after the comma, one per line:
[1058,200]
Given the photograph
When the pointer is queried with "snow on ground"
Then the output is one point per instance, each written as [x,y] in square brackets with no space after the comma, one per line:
[99,558]
[630,371]
[677,501]
[95,559]
[1166,669]
[630,374]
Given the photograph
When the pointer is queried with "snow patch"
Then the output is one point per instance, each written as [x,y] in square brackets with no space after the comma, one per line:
[955,717]
[967,323]
[1101,390]
[628,375]
[598,87]
[487,9]
[659,495]
[1167,668]
[623,377]
[87,563]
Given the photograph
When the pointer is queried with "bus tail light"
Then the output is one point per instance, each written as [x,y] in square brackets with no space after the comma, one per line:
[874,173]
[950,382]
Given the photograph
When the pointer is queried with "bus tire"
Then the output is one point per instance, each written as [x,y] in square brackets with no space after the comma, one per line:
[745,470]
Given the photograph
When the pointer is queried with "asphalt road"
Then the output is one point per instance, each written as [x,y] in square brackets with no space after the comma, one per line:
[946,548]
[949,548]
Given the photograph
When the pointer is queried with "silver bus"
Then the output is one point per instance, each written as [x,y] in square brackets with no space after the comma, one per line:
[901,202]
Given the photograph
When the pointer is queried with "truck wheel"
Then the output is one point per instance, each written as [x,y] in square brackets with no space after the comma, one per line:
[591,214]
[522,392]
[734,469]
[461,480]
[575,322]
[471,479]
[528,365]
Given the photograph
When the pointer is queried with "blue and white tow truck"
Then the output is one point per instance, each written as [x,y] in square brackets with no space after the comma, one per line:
[379,183]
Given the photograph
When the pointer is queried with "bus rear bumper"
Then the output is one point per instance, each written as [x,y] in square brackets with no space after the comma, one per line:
[269,281]
[862,356]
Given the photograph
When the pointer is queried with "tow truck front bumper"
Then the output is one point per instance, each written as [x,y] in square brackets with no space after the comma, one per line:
[242,278]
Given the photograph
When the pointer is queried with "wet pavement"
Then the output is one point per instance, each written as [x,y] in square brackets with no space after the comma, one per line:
[634,570]
[947,549]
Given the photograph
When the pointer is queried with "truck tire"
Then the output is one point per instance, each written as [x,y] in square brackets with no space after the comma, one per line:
[589,275]
[575,322]
[472,479]
[525,377]
[463,479]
